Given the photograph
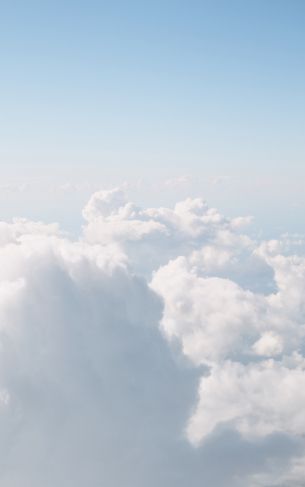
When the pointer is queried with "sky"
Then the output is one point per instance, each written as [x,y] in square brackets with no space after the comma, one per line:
[152,243]
[110,92]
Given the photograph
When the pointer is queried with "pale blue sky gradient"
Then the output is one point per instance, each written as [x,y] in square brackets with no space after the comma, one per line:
[112,91]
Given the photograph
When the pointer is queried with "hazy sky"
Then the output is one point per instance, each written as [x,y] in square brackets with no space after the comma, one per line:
[106,92]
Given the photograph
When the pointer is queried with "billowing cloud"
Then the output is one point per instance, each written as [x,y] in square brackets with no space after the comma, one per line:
[151,237]
[255,399]
[251,342]
[86,380]
[162,343]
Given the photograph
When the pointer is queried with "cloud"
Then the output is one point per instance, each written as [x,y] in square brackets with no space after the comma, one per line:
[232,331]
[235,306]
[178,182]
[151,237]
[255,399]
[21,228]
[86,380]
[290,474]
[162,343]
[269,344]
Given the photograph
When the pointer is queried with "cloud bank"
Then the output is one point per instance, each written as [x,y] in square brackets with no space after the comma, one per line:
[161,342]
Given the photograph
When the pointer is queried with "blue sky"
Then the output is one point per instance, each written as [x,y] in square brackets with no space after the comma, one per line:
[116,91]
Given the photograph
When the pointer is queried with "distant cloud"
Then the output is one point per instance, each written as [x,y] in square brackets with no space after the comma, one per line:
[179,181]
[14,187]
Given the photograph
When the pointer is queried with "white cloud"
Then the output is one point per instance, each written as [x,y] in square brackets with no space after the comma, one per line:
[213,317]
[151,237]
[255,399]
[86,380]
[269,344]
[230,330]
[103,342]
[20,228]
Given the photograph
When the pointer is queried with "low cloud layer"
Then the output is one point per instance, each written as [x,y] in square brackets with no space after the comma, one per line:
[161,345]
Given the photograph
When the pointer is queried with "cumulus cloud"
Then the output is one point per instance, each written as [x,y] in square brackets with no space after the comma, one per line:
[255,399]
[87,382]
[152,236]
[232,331]
[21,228]
[162,341]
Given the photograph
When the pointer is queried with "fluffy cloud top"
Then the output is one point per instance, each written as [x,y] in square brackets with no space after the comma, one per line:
[159,341]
